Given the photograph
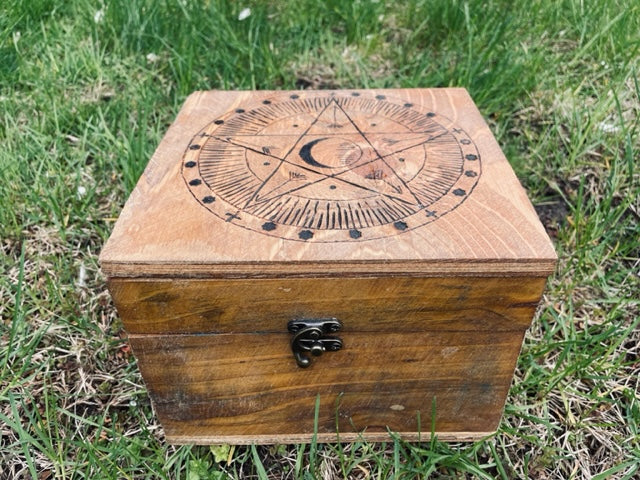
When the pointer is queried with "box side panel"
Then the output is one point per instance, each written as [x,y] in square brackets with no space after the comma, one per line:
[231,387]
[362,304]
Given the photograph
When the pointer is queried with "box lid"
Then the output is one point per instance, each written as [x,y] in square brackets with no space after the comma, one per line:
[363,182]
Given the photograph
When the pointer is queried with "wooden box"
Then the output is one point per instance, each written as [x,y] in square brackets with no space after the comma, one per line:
[368,257]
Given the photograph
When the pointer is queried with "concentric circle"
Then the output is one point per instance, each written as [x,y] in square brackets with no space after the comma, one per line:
[338,167]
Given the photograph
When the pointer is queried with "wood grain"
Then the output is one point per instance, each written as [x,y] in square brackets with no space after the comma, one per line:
[233,385]
[186,438]
[390,210]
[217,361]
[362,304]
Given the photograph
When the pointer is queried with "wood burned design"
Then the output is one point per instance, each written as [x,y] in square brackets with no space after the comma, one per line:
[331,167]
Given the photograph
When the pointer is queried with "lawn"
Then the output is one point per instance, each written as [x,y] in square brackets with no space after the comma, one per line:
[87,89]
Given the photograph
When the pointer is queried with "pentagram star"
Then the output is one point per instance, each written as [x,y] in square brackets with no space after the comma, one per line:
[333,148]
[324,168]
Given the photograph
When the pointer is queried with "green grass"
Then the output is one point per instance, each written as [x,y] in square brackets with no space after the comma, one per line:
[87,90]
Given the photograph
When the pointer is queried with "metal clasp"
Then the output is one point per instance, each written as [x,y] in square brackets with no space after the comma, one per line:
[310,336]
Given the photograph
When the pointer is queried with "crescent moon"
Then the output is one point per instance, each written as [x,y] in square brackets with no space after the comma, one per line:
[305,153]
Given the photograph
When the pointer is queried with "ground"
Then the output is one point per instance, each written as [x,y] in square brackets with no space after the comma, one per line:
[87,89]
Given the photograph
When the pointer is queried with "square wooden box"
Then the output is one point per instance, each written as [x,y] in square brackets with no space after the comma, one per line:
[392,211]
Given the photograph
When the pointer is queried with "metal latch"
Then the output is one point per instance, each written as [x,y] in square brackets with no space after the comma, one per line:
[310,335]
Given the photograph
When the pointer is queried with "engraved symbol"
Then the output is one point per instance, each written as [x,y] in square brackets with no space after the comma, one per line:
[318,167]
[375,175]
[305,153]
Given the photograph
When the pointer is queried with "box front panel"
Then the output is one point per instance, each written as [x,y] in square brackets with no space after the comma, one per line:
[218,362]
[222,388]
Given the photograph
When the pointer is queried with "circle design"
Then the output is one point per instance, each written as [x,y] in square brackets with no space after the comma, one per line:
[355,167]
